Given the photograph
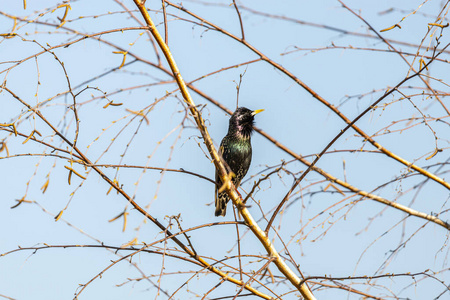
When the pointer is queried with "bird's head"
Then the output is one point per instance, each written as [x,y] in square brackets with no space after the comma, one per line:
[242,121]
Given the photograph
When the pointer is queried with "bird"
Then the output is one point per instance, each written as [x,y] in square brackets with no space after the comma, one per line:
[236,153]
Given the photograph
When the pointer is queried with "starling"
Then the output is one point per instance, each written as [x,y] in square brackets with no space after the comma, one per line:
[236,152]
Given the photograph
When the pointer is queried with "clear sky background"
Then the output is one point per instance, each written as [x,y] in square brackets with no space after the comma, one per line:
[321,43]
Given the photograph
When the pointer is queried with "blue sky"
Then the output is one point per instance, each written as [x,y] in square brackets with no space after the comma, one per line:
[360,233]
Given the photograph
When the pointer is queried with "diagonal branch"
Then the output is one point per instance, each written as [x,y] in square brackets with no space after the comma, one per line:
[237,200]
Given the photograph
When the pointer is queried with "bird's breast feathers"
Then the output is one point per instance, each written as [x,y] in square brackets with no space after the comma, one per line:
[237,155]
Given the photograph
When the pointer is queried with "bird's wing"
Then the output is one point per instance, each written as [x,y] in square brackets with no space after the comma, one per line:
[218,181]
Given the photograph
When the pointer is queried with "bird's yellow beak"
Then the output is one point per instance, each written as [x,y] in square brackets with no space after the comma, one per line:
[257,111]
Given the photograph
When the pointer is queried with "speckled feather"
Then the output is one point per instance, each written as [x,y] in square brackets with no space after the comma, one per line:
[236,152]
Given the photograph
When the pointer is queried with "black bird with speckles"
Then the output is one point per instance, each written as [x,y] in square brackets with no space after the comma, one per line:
[236,151]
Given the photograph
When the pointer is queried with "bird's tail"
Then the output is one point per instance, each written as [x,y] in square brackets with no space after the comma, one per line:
[221,203]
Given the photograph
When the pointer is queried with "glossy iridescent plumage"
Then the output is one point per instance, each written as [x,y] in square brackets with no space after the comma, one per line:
[236,152]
